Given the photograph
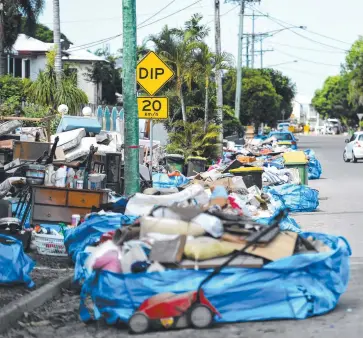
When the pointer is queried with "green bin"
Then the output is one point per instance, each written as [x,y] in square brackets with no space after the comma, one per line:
[303,170]
[175,162]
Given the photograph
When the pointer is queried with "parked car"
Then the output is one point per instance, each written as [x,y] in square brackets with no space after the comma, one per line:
[284,126]
[333,127]
[285,138]
[354,149]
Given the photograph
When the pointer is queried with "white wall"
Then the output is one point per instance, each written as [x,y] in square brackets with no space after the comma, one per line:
[37,64]
[88,87]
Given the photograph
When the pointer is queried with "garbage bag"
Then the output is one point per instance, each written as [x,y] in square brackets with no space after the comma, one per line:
[295,287]
[295,198]
[15,265]
[287,224]
[165,181]
[90,231]
[314,166]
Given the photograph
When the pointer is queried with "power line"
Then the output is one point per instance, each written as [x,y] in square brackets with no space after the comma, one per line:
[301,71]
[95,43]
[154,15]
[309,49]
[298,34]
[232,9]
[305,60]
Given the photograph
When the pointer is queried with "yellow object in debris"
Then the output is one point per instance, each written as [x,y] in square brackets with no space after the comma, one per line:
[246,169]
[291,129]
[295,157]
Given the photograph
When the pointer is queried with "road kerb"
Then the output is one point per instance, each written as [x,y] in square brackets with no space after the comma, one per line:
[12,312]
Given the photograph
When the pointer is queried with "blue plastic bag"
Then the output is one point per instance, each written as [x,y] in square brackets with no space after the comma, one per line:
[90,231]
[314,166]
[287,224]
[296,287]
[295,198]
[164,181]
[15,265]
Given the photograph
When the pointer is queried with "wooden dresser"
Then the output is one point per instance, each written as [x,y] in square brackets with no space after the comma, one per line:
[56,205]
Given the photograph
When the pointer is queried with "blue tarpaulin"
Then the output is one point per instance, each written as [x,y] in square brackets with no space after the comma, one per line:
[90,231]
[15,265]
[314,166]
[296,287]
[161,180]
[287,224]
[295,198]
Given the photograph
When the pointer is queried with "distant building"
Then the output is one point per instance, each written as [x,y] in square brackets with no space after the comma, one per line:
[28,58]
[304,112]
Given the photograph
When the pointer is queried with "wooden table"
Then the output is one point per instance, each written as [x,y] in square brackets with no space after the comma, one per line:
[57,205]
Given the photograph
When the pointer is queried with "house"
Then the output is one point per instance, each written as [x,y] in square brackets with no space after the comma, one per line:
[28,58]
[304,111]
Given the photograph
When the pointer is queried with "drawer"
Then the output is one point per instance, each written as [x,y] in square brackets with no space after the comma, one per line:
[51,214]
[50,197]
[84,199]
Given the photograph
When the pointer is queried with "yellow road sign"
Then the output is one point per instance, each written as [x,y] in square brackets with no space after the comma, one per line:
[153,73]
[153,108]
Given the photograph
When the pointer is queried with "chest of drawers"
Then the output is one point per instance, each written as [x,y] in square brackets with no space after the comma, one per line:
[56,205]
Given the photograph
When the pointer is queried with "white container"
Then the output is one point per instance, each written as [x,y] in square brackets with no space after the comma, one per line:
[75,220]
[49,180]
[79,184]
[60,177]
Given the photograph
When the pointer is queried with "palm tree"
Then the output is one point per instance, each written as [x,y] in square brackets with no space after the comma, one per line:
[47,92]
[57,40]
[13,11]
[205,65]
[176,48]
[190,139]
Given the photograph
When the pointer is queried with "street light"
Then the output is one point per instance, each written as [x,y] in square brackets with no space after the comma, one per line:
[280,64]
[284,29]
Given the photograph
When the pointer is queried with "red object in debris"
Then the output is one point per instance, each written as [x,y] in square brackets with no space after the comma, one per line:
[107,237]
[174,310]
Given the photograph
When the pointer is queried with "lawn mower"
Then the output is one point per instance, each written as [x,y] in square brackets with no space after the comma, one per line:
[193,309]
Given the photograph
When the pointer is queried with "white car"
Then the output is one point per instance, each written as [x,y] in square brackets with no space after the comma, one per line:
[354,149]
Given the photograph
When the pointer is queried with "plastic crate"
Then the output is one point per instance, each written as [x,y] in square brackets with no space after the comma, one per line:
[50,245]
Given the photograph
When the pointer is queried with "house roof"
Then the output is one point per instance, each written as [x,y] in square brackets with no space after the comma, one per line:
[82,55]
[25,43]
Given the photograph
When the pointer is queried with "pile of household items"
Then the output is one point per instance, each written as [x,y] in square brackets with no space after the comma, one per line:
[215,244]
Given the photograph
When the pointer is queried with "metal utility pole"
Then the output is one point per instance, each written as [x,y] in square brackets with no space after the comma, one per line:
[253,40]
[2,38]
[57,41]
[239,62]
[132,173]
[261,53]
[248,52]
[219,80]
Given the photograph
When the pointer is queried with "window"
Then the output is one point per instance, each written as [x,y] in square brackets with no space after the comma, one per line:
[283,137]
[27,69]
[353,137]
[360,138]
[18,67]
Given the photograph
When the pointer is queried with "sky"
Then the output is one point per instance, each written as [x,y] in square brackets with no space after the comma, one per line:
[308,56]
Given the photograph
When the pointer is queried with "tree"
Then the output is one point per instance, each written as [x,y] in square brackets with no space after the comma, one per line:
[45,34]
[57,41]
[284,87]
[190,139]
[106,73]
[13,11]
[260,102]
[332,100]
[205,65]
[44,91]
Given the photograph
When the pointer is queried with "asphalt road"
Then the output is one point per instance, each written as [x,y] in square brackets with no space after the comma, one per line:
[340,213]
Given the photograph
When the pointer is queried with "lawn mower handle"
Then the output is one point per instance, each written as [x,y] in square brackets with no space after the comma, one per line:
[275,223]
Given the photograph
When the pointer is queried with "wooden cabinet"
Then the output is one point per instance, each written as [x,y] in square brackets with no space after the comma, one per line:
[55,205]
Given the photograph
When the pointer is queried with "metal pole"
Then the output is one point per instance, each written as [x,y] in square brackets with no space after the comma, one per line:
[132,172]
[2,38]
[261,51]
[248,52]
[151,147]
[253,41]
[239,62]
[219,82]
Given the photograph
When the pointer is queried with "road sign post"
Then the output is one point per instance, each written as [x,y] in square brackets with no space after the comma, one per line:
[152,74]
